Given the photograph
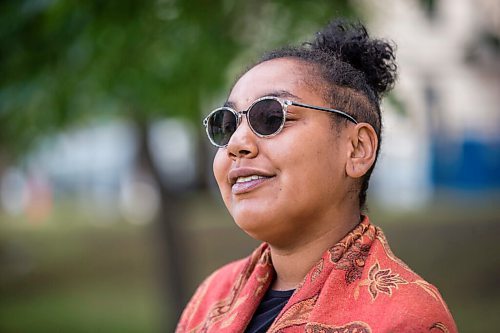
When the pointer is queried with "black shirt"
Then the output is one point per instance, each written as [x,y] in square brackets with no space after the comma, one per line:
[269,308]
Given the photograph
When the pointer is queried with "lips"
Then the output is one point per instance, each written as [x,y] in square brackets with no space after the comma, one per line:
[243,180]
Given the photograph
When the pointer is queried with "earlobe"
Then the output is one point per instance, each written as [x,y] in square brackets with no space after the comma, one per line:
[362,152]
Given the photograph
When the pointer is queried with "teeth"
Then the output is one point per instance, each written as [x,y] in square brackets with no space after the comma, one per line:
[249,178]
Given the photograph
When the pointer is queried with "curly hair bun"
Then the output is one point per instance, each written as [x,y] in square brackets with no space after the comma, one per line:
[349,42]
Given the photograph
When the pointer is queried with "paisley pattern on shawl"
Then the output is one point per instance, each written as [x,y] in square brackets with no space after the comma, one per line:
[358,285]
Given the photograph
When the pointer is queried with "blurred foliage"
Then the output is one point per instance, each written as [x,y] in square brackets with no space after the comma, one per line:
[64,62]
[430,7]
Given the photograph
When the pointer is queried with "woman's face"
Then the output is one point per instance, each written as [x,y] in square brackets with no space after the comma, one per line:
[303,167]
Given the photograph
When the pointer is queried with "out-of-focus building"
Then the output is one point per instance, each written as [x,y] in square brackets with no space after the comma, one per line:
[442,124]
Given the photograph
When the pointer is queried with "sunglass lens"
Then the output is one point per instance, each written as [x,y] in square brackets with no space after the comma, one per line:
[266,116]
[221,125]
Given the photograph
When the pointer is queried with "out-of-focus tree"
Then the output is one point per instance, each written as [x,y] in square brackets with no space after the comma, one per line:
[63,63]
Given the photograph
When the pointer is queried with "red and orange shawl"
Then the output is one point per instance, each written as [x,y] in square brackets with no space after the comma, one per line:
[357,286]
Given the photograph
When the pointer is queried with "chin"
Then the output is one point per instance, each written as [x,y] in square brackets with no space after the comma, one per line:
[258,227]
[252,225]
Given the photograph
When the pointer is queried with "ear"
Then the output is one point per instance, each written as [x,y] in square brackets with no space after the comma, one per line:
[362,150]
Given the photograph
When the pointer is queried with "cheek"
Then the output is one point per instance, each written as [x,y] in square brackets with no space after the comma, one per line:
[221,166]
[218,164]
[313,168]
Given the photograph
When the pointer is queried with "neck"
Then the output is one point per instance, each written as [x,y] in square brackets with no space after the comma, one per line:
[293,262]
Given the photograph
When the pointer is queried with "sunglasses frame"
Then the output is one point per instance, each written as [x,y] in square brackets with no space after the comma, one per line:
[284,105]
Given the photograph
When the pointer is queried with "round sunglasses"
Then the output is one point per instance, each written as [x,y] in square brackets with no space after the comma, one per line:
[266,118]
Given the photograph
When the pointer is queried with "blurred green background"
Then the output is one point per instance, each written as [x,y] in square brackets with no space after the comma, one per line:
[109,216]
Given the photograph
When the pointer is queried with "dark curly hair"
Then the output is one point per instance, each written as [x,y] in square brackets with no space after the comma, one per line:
[356,69]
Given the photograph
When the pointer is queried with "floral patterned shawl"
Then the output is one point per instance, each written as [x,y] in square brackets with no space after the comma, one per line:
[357,286]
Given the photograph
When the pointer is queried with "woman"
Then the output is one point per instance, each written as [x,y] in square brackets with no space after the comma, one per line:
[298,139]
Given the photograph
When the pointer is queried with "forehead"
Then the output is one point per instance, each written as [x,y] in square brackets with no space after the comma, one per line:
[272,77]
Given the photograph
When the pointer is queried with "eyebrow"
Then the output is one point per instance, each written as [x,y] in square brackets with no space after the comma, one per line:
[275,93]
[229,104]
[283,94]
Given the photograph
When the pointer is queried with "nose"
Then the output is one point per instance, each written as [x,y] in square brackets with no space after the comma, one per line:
[243,142]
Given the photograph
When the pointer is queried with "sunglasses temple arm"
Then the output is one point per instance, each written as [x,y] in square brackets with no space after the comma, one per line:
[319,108]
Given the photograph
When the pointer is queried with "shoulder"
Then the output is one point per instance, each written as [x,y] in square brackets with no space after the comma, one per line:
[216,286]
[407,299]
[223,278]
[216,290]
